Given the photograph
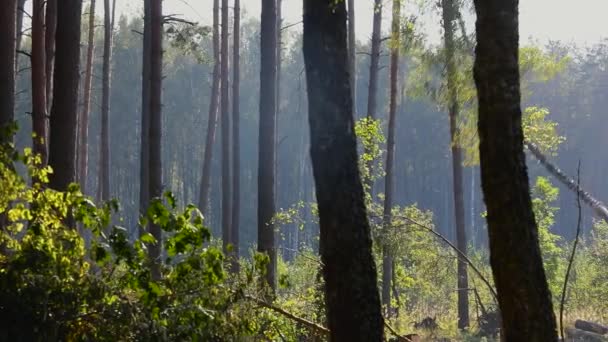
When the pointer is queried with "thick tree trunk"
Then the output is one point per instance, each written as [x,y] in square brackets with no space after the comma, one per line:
[83,155]
[266,154]
[449,18]
[351,293]
[64,112]
[103,185]
[213,111]
[225,123]
[155,153]
[515,257]
[49,44]
[236,143]
[8,15]
[598,206]
[144,159]
[387,258]
[352,54]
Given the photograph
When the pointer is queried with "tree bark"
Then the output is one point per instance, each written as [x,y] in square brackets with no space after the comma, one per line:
[236,144]
[352,54]
[225,123]
[523,295]
[372,89]
[8,15]
[213,111]
[155,153]
[103,185]
[39,105]
[49,44]
[449,18]
[83,155]
[144,159]
[351,293]
[64,112]
[19,28]
[266,156]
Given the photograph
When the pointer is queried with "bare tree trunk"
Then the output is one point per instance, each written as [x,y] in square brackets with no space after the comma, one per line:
[213,111]
[155,153]
[351,293]
[19,28]
[266,156]
[83,156]
[8,15]
[38,74]
[449,18]
[352,54]
[236,144]
[515,257]
[387,257]
[103,185]
[278,99]
[64,112]
[144,159]
[225,110]
[49,44]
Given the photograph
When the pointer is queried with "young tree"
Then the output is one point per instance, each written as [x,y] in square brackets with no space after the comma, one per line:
[86,107]
[8,17]
[225,108]
[266,146]
[351,293]
[387,258]
[517,266]
[213,111]
[49,44]
[236,143]
[449,21]
[103,185]
[64,111]
[154,135]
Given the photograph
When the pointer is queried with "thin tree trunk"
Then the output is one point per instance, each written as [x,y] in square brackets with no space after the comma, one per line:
[38,74]
[352,55]
[515,256]
[103,185]
[19,28]
[83,155]
[387,257]
[266,156]
[598,206]
[64,112]
[155,153]
[144,159]
[278,99]
[236,144]
[449,18]
[225,108]
[49,44]
[213,111]
[351,293]
[8,15]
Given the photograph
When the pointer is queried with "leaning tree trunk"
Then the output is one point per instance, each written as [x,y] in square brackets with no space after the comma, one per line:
[83,155]
[236,143]
[351,293]
[352,55]
[103,185]
[64,112]
[49,45]
[598,206]
[387,258]
[144,158]
[225,122]
[8,15]
[449,18]
[515,257]
[213,111]
[266,147]
[155,129]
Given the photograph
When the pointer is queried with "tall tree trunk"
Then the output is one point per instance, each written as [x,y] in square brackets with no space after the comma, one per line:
[449,18]
[155,153]
[64,112]
[351,293]
[144,158]
[352,54]
[515,257]
[19,28]
[387,257]
[266,155]
[278,99]
[225,107]
[49,44]
[213,111]
[8,15]
[38,74]
[236,143]
[598,206]
[103,185]
[83,157]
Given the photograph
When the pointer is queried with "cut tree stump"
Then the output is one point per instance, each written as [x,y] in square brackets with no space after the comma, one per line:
[591,327]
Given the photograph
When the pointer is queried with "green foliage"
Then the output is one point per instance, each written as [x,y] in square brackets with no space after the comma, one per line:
[371,138]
